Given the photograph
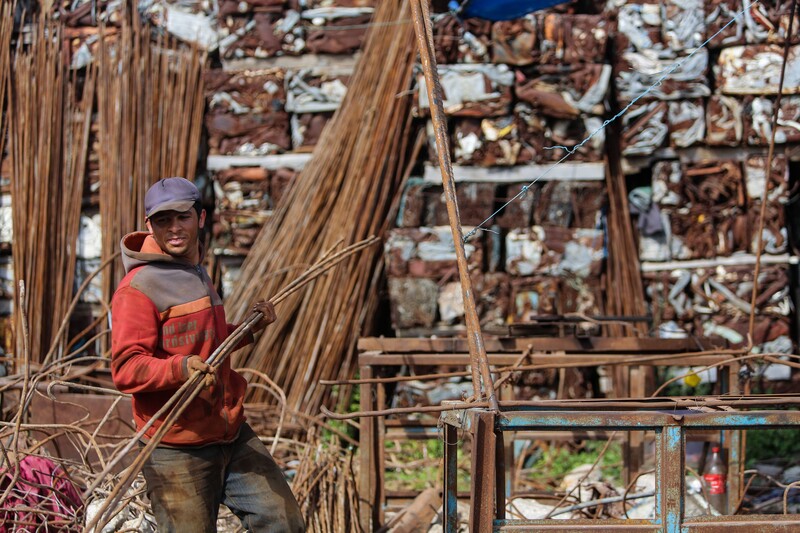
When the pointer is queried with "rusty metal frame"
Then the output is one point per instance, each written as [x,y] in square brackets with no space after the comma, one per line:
[379,355]
[487,428]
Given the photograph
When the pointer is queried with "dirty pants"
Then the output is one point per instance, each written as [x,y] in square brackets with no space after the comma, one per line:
[187,485]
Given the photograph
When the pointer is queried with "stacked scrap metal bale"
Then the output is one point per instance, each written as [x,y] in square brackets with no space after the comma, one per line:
[268,105]
[518,95]
[701,139]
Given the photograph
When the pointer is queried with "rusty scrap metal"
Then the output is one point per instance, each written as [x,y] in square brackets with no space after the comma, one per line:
[320,329]
[757,69]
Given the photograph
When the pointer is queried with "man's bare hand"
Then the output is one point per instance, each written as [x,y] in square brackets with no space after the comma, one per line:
[195,362]
[268,310]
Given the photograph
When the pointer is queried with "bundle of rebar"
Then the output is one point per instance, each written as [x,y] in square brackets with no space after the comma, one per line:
[150,107]
[325,487]
[49,112]
[625,293]
[346,192]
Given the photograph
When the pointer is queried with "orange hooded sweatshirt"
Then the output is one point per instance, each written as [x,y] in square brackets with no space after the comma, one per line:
[163,311]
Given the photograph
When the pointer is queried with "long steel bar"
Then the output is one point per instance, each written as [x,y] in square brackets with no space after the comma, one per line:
[477,350]
[758,400]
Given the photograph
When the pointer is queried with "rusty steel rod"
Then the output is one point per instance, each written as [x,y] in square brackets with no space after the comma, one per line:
[763,212]
[589,403]
[477,349]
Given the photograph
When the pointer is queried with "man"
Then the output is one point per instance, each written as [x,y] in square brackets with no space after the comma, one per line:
[166,320]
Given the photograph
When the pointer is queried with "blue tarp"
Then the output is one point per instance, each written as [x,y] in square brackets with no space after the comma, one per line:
[504,9]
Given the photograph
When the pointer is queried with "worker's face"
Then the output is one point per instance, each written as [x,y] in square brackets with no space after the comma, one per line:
[177,233]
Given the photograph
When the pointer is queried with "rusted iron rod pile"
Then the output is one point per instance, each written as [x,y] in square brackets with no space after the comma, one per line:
[49,112]
[345,193]
[150,111]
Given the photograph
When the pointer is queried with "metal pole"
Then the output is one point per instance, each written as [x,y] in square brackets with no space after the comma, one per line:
[477,351]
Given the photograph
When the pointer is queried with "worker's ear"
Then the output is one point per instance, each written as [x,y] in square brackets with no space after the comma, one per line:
[202,220]
[149,227]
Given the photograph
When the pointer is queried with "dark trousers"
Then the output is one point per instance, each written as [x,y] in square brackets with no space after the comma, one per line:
[187,485]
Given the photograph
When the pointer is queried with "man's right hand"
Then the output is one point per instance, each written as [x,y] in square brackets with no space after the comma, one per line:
[195,362]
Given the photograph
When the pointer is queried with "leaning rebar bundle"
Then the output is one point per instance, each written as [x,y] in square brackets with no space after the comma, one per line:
[345,193]
[49,114]
[150,106]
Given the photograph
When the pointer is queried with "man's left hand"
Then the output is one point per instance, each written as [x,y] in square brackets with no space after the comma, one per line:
[268,310]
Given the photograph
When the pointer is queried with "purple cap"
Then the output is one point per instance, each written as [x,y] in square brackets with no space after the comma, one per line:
[170,194]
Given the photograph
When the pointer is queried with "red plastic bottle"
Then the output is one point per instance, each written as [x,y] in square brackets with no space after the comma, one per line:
[715,476]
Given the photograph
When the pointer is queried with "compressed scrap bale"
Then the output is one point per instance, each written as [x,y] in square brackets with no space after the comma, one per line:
[562,136]
[667,184]
[769,22]
[546,139]
[716,185]
[487,142]
[475,203]
[464,41]
[532,131]
[554,251]
[758,122]
[533,296]
[719,14]
[556,205]
[715,303]
[423,286]
[684,25]
[246,197]
[724,124]
[315,90]
[313,4]
[248,134]
[569,204]
[775,235]
[307,129]
[573,39]
[735,329]
[280,182]
[336,30]
[644,129]
[261,36]
[470,90]
[755,173]
[765,21]
[427,252]
[246,112]
[243,189]
[541,295]
[687,123]
[243,205]
[564,92]
[637,72]
[413,203]
[240,7]
[756,69]
[693,234]
[639,27]
[493,297]
[252,91]
[515,42]
[517,214]
[413,301]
